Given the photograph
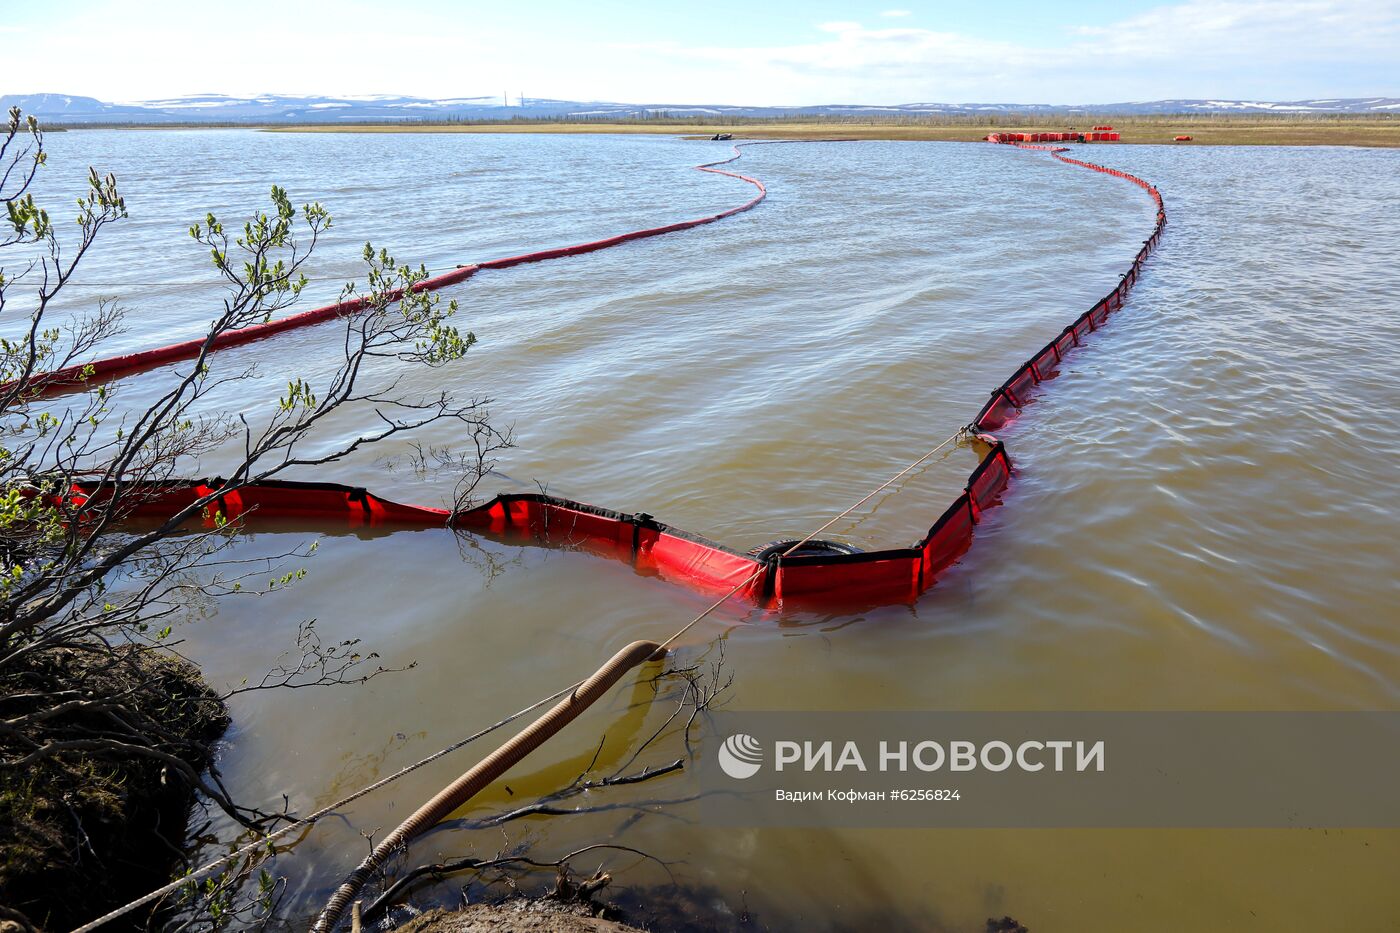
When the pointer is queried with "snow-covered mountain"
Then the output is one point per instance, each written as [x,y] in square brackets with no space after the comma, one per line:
[277,108]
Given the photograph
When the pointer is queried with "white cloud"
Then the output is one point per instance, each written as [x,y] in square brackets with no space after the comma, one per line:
[894,13]
[1200,48]
[1296,30]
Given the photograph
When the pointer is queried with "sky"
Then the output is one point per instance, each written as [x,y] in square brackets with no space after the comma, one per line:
[752,52]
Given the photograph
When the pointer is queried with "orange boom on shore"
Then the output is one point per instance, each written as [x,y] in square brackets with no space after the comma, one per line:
[1069,136]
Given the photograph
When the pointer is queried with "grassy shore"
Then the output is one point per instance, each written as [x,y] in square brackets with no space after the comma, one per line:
[1219,131]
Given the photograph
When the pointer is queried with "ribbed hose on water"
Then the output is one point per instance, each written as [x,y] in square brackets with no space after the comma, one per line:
[487,770]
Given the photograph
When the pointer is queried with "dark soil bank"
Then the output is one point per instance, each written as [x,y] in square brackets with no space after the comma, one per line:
[543,915]
[87,829]
[547,915]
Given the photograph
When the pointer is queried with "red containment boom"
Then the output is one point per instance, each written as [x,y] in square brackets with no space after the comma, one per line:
[895,575]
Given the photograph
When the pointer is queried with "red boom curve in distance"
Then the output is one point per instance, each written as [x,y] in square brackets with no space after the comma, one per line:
[111,367]
[888,576]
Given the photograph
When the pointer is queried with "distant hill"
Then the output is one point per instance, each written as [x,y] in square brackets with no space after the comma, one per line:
[274,108]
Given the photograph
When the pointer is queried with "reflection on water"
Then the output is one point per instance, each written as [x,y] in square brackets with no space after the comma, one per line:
[1203,516]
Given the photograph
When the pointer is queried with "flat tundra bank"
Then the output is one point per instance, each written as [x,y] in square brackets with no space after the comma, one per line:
[1233,131]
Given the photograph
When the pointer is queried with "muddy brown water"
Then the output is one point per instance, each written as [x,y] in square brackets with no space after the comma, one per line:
[1203,517]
